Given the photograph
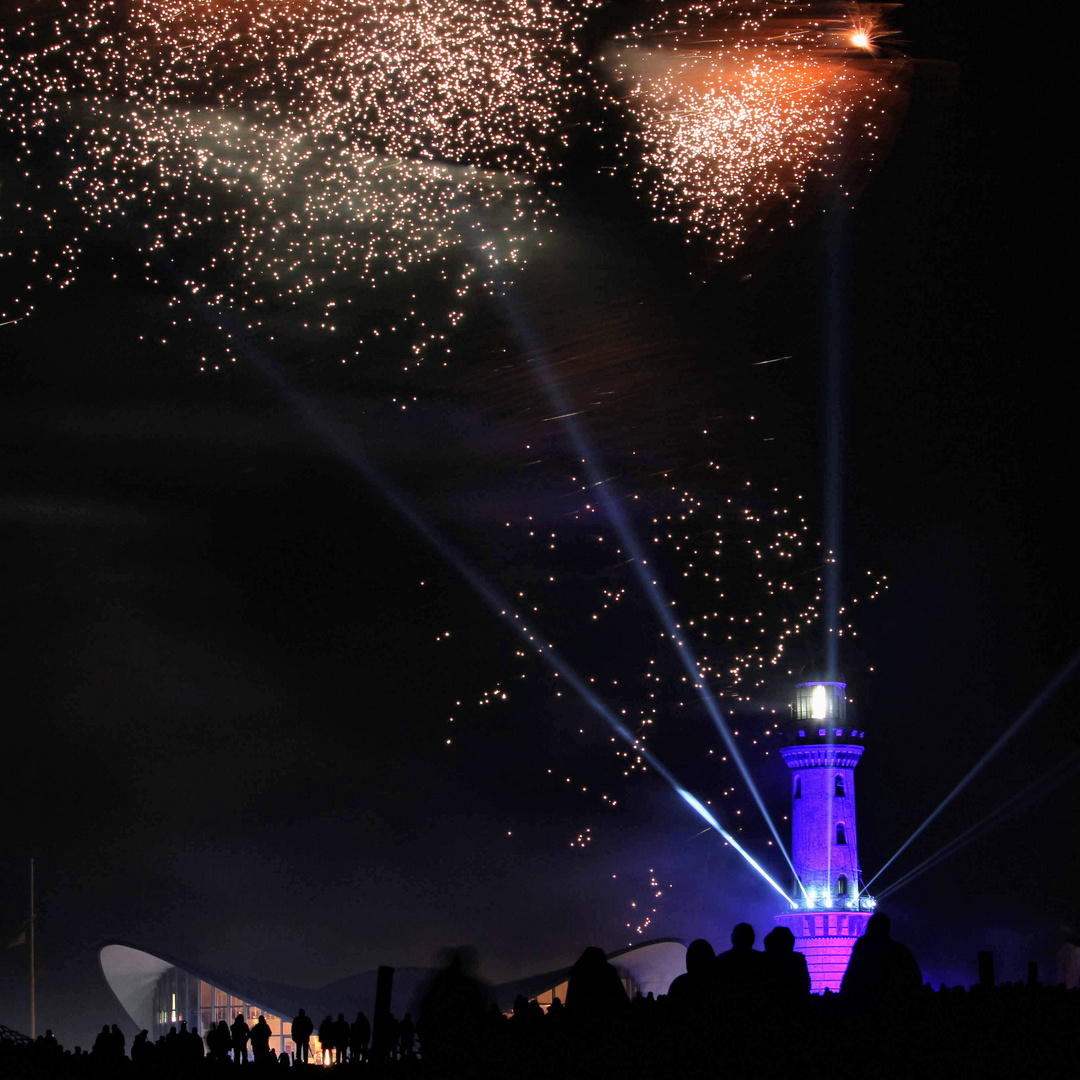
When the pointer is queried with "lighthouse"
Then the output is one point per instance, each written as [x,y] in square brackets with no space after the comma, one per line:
[829,909]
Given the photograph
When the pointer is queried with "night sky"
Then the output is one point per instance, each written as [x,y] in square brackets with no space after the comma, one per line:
[227,677]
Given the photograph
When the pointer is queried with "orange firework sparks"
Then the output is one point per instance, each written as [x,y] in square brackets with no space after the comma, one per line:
[289,159]
[735,111]
[291,154]
[866,28]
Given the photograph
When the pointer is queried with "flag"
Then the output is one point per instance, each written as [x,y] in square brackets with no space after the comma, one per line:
[17,940]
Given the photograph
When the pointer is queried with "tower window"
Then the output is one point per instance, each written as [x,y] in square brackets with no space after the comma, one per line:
[841,886]
[840,837]
[839,791]
[798,788]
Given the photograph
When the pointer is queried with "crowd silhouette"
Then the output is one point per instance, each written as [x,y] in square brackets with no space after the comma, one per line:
[740,1013]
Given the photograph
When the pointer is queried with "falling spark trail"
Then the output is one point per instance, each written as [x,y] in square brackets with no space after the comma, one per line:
[1044,695]
[338,438]
[836,324]
[290,152]
[534,350]
[272,150]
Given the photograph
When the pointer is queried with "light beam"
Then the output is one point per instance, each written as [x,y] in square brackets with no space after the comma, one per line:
[337,437]
[653,591]
[836,325]
[707,816]
[1046,783]
[1043,696]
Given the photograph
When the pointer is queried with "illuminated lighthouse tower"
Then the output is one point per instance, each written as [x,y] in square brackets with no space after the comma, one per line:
[829,910]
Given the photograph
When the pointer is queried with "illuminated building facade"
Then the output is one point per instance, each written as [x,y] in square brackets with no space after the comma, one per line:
[180,996]
[158,991]
[829,909]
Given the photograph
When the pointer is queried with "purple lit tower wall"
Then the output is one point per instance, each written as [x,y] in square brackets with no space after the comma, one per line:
[829,910]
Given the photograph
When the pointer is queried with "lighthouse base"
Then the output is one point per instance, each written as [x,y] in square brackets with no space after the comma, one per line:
[826,939]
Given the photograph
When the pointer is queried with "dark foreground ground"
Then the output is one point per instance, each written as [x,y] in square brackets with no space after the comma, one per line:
[1007,1031]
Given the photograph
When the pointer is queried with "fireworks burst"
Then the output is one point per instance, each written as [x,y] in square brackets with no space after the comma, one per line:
[297,166]
[736,107]
[281,155]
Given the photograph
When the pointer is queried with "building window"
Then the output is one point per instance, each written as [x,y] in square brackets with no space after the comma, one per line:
[840,838]
[839,790]
[798,788]
[841,886]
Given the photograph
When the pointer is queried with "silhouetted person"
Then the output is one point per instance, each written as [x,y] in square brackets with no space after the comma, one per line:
[697,985]
[597,1006]
[787,978]
[327,1036]
[692,1009]
[359,1038]
[341,1036]
[595,993]
[191,1045]
[880,971]
[452,1015]
[218,1041]
[302,1027]
[740,970]
[240,1035]
[102,1048]
[180,1043]
[141,1048]
[260,1041]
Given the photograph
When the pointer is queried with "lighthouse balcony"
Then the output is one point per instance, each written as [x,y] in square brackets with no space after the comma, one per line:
[822,900]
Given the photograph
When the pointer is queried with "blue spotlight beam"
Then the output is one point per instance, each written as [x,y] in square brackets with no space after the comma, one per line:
[1051,779]
[1043,696]
[628,538]
[654,591]
[836,324]
[565,413]
[338,439]
[706,816]
[345,446]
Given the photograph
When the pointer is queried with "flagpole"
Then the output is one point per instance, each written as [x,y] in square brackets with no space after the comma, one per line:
[33,1011]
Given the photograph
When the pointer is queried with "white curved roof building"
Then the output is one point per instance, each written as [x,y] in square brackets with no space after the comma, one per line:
[158,990]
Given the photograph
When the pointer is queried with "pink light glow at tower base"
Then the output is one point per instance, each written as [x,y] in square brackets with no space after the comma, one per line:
[826,939]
